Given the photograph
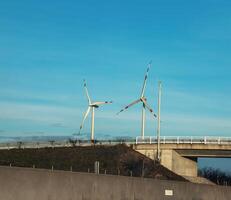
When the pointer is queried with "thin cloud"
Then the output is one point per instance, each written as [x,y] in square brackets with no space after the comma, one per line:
[43,113]
[36,96]
[180,124]
[58,125]
[40,133]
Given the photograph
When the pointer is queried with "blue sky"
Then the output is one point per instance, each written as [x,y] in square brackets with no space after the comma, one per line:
[48,48]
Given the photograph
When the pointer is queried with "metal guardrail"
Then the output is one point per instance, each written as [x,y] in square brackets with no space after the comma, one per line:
[184,140]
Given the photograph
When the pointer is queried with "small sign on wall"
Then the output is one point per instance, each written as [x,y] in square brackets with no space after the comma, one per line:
[168,192]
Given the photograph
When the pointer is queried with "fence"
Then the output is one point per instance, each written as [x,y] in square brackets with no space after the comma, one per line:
[184,140]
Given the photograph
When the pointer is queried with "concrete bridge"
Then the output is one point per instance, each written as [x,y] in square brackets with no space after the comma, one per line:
[180,154]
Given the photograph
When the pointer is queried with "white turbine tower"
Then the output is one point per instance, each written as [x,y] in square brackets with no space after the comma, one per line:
[143,100]
[91,107]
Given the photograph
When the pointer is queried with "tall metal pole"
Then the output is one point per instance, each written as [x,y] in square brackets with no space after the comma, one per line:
[143,121]
[92,124]
[158,117]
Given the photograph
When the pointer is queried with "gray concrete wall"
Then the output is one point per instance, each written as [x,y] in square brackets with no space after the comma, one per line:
[34,184]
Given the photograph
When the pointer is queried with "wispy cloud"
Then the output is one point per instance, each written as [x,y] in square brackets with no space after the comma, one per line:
[36,96]
[43,113]
[58,125]
[191,102]
[37,133]
[180,124]
[182,114]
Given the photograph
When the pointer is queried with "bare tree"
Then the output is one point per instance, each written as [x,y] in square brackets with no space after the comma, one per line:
[19,144]
[72,142]
[52,142]
[216,175]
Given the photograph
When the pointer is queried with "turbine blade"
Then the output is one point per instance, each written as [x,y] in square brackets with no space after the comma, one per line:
[148,107]
[84,118]
[98,103]
[126,107]
[145,79]
[87,94]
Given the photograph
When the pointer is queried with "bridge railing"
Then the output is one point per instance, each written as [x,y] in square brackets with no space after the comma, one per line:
[184,140]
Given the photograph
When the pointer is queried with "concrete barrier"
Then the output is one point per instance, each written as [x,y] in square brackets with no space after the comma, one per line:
[36,184]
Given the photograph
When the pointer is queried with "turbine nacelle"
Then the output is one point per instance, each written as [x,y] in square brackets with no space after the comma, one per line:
[97,104]
[143,99]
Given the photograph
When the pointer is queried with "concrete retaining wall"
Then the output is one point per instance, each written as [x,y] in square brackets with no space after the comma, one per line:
[170,159]
[35,184]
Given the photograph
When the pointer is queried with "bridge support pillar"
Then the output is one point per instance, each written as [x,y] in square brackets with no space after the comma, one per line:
[184,166]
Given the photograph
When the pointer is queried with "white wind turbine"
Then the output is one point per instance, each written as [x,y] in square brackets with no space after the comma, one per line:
[91,107]
[143,100]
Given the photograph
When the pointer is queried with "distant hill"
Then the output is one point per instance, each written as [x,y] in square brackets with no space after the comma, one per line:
[118,159]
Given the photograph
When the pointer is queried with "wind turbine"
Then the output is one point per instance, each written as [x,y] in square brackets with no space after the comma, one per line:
[91,107]
[143,100]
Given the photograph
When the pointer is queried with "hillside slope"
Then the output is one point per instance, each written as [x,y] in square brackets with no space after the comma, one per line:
[118,159]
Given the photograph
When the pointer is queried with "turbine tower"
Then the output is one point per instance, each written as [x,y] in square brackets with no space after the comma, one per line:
[91,107]
[143,100]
